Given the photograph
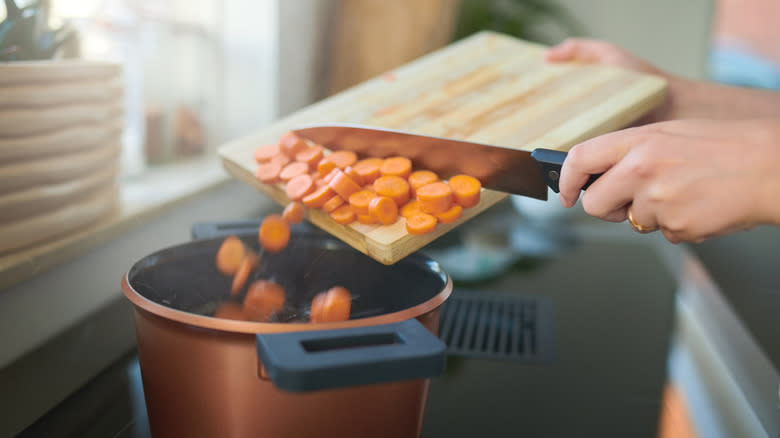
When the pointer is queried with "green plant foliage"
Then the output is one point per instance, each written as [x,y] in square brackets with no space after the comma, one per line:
[519,18]
[24,34]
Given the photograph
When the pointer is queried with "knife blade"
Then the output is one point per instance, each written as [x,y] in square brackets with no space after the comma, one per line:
[496,167]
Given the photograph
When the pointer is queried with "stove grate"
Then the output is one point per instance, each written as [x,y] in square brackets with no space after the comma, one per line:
[487,325]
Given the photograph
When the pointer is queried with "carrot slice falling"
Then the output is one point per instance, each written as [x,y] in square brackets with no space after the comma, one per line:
[360,201]
[394,187]
[299,187]
[266,152]
[451,215]
[343,215]
[343,185]
[263,299]
[274,233]
[230,255]
[421,223]
[397,166]
[332,305]
[465,190]
[435,197]
[293,213]
[384,209]
[247,265]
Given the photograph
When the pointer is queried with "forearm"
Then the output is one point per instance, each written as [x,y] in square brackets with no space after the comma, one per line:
[690,99]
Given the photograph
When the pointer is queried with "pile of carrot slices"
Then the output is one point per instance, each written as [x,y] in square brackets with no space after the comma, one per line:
[265,298]
[368,190]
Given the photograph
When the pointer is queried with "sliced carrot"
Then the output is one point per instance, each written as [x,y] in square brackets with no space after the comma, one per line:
[398,166]
[343,215]
[350,171]
[451,215]
[274,233]
[332,204]
[384,209]
[292,170]
[311,156]
[280,158]
[318,197]
[291,144]
[411,208]
[230,310]
[367,219]
[360,200]
[369,187]
[247,265]
[299,187]
[266,152]
[465,190]
[319,182]
[343,185]
[332,305]
[394,187]
[419,178]
[335,171]
[230,254]
[368,169]
[325,167]
[435,197]
[268,173]
[293,213]
[342,158]
[421,223]
[263,299]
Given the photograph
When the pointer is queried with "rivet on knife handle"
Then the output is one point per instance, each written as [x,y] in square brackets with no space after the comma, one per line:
[549,162]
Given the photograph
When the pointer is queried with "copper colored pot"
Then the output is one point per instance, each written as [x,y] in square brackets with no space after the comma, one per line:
[204,377]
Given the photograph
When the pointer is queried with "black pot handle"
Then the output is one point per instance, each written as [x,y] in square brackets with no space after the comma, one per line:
[323,359]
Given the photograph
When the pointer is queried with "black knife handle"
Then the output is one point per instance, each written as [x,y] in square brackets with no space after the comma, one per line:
[549,162]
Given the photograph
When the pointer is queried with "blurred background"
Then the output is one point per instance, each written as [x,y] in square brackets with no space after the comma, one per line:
[199,72]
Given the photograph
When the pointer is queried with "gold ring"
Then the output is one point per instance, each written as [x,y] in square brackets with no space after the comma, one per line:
[636,226]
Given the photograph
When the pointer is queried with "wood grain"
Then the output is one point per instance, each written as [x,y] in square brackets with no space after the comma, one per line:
[488,88]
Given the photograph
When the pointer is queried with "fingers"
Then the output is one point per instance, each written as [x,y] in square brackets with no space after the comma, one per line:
[574,49]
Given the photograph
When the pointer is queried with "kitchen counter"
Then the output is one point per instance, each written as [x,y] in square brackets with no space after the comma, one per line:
[631,318]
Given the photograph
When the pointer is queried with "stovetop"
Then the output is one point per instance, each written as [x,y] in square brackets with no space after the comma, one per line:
[570,342]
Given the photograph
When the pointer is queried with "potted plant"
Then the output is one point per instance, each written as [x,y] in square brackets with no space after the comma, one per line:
[60,128]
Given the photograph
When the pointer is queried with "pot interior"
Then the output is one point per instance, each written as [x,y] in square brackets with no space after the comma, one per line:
[185,277]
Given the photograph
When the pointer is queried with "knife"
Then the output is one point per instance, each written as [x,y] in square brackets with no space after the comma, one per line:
[496,167]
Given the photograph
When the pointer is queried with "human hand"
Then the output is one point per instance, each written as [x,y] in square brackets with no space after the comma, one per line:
[598,52]
[693,179]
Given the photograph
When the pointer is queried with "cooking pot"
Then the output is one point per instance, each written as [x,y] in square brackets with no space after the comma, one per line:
[211,377]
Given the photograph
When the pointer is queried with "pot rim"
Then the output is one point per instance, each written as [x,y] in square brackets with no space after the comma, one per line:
[236,326]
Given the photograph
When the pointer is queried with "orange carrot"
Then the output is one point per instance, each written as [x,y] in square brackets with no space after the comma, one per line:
[335,171]
[398,166]
[394,187]
[230,310]
[384,209]
[274,233]
[332,305]
[350,171]
[230,254]
[280,158]
[311,156]
[291,144]
[342,158]
[318,197]
[343,185]
[465,190]
[367,219]
[451,215]
[360,200]
[368,169]
[411,208]
[419,178]
[435,197]
[421,223]
[292,170]
[299,187]
[325,166]
[343,215]
[249,263]
[266,152]
[332,204]
[268,173]
[263,299]
[293,213]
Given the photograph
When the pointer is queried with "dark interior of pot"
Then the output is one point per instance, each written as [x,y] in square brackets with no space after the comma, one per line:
[185,277]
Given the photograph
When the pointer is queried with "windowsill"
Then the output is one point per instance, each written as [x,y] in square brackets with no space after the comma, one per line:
[140,198]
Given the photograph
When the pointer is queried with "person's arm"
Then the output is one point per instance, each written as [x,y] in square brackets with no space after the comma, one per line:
[686,98]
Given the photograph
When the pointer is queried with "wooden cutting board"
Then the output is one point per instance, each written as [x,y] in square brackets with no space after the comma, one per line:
[488,88]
